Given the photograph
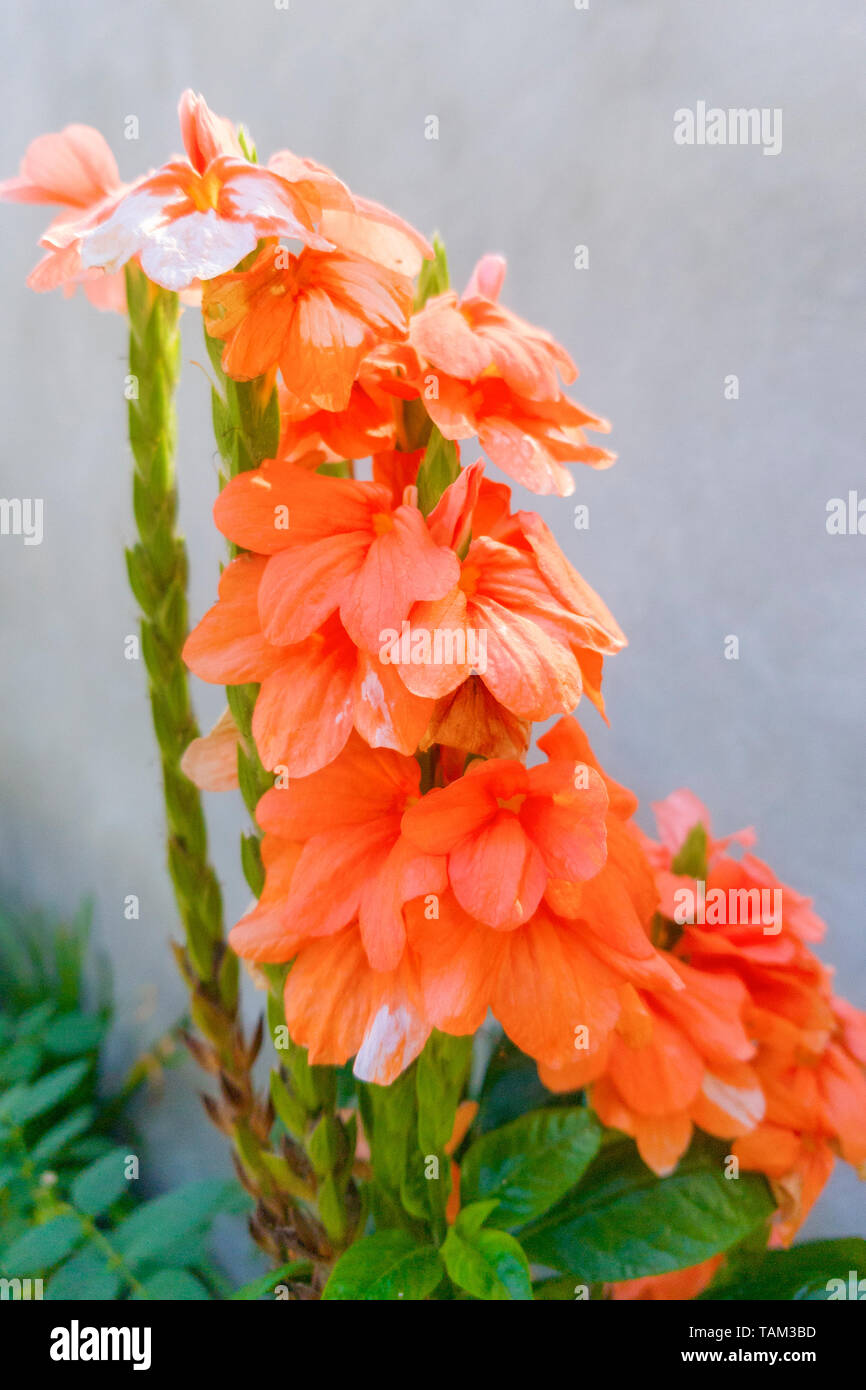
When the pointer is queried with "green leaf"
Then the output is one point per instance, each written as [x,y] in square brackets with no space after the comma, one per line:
[174,1286]
[99,1186]
[622,1222]
[490,1265]
[817,1270]
[391,1125]
[511,1088]
[20,1063]
[31,1023]
[289,1109]
[74,1033]
[531,1163]
[691,858]
[42,1246]
[389,1265]
[433,276]
[84,1277]
[188,1251]
[439,467]
[266,1283]
[157,1224]
[472,1217]
[561,1290]
[24,1103]
[54,1140]
[439,1080]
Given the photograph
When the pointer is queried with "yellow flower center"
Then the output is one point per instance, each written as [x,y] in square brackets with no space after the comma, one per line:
[205,192]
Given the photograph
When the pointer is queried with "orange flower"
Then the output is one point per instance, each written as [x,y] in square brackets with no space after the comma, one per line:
[334,544]
[75,170]
[196,218]
[675,1059]
[679,1284]
[336,1004]
[555,973]
[316,316]
[812,1047]
[355,863]
[816,1109]
[357,225]
[484,372]
[368,425]
[542,980]
[544,631]
[338,1007]
[211,762]
[312,694]
[508,830]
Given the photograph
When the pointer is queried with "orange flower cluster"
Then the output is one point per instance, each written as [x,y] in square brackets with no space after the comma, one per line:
[757,1049]
[419,873]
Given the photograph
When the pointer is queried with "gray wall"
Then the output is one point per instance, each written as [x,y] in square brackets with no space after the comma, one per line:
[555,129]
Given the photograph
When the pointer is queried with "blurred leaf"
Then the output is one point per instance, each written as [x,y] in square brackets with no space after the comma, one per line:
[31,1023]
[55,1140]
[84,1277]
[801,1274]
[74,1033]
[98,1187]
[157,1224]
[24,1103]
[691,859]
[42,1246]
[175,1286]
[20,1063]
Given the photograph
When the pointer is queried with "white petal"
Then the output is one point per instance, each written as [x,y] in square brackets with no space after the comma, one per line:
[393,1040]
[196,247]
[118,239]
[745,1106]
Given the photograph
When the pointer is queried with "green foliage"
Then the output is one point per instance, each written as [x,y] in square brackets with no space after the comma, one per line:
[691,859]
[804,1274]
[438,469]
[388,1265]
[433,277]
[489,1265]
[530,1164]
[511,1087]
[157,567]
[69,1214]
[623,1222]
[266,1283]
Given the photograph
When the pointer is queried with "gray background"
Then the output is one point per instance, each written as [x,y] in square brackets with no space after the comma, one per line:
[555,129]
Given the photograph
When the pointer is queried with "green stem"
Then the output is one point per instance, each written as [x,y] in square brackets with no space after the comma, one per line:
[246,421]
[157,567]
[99,1238]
